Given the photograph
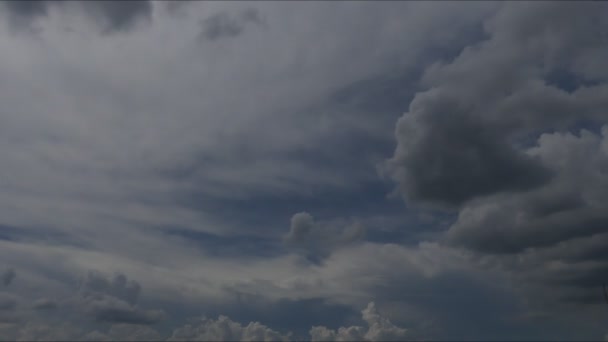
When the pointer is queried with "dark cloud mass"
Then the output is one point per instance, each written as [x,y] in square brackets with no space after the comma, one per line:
[7,303]
[448,156]
[111,16]
[229,25]
[500,141]
[95,284]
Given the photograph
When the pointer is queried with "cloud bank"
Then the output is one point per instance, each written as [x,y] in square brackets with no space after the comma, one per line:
[280,166]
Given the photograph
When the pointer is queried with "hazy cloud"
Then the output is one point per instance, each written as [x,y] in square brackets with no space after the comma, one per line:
[8,276]
[96,284]
[114,300]
[319,239]
[7,302]
[45,304]
[110,16]
[516,151]
[229,25]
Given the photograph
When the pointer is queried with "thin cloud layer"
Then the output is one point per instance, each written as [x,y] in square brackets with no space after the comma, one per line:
[8,276]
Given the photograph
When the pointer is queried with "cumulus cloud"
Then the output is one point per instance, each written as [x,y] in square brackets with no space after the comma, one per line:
[460,138]
[114,300]
[511,136]
[445,155]
[8,276]
[571,206]
[379,329]
[319,239]
[224,329]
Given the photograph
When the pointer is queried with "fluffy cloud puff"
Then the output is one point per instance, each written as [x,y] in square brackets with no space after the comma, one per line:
[379,329]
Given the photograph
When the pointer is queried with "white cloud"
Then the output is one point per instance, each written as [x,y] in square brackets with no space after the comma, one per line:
[379,329]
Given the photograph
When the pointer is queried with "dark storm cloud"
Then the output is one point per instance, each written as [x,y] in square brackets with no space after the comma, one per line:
[228,25]
[8,276]
[498,136]
[447,156]
[572,206]
[460,138]
[111,16]
[379,328]
[463,140]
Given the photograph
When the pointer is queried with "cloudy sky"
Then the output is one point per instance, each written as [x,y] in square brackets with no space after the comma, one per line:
[303,171]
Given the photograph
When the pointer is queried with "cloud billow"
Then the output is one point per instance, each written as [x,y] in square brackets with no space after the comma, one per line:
[319,239]
[497,141]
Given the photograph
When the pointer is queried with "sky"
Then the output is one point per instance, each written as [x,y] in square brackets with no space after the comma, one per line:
[325,171]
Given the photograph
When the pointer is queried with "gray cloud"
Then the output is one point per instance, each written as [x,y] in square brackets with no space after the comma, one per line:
[110,16]
[224,329]
[7,302]
[447,156]
[96,284]
[319,239]
[45,304]
[379,329]
[114,300]
[521,156]
[119,312]
[8,276]
[227,25]
[462,138]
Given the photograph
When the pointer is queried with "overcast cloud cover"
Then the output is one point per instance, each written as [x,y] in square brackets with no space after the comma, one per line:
[323,171]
